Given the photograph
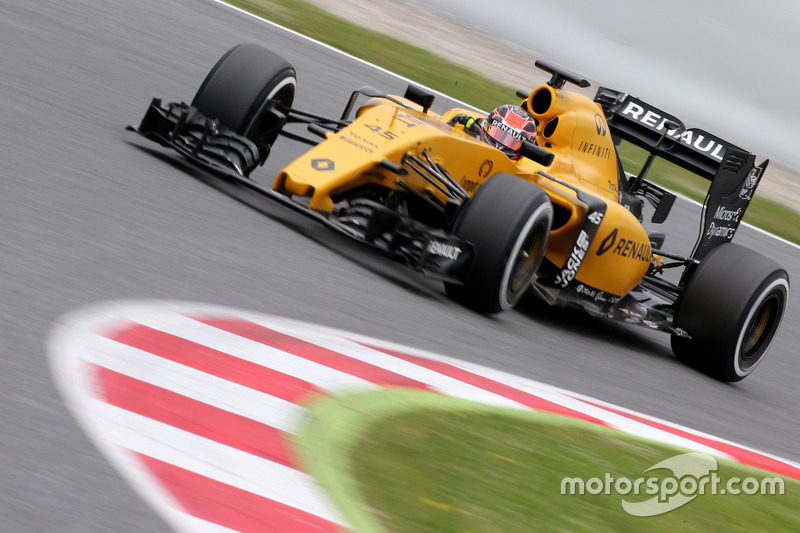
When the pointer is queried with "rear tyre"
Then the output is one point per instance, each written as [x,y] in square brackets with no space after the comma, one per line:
[240,87]
[731,306]
[508,221]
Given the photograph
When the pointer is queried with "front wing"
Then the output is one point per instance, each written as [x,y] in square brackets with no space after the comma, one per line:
[217,149]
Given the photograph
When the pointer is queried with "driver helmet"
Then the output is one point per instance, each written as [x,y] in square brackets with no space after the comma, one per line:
[507,126]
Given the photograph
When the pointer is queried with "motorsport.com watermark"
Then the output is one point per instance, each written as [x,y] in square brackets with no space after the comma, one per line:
[693,474]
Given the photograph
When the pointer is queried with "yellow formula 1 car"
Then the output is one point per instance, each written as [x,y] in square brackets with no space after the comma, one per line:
[561,220]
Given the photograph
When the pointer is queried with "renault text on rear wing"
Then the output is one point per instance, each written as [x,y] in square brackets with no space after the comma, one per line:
[640,123]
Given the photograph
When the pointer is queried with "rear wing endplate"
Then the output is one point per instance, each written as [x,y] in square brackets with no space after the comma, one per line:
[728,197]
[732,171]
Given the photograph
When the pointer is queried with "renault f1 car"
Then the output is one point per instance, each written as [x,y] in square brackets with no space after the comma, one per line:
[562,222]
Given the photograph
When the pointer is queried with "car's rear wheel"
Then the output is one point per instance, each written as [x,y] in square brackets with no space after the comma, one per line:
[240,88]
[731,306]
[508,221]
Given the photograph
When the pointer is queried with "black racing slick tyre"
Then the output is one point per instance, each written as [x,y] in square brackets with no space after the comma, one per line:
[508,221]
[240,88]
[731,307]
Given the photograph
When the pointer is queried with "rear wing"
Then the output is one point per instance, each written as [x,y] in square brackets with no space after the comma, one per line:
[643,125]
[732,171]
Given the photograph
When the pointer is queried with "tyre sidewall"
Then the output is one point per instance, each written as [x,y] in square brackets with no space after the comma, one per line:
[739,367]
[497,221]
[538,221]
[241,84]
[717,304]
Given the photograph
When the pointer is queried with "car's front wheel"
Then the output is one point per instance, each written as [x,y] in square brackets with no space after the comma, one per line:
[508,221]
[731,306]
[240,88]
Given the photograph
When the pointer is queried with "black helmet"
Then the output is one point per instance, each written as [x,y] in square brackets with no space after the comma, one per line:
[507,126]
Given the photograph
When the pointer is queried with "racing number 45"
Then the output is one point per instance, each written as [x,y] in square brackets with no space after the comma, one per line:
[378,130]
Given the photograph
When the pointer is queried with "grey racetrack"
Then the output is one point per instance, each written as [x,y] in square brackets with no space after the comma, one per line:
[90,212]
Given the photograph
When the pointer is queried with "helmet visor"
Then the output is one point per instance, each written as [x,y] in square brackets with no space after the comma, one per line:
[503,137]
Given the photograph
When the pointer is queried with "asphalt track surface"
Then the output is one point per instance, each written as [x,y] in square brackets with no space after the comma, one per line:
[92,213]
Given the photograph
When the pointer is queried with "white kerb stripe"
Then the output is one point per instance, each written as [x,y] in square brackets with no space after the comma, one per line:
[432,378]
[191,524]
[255,352]
[213,460]
[195,384]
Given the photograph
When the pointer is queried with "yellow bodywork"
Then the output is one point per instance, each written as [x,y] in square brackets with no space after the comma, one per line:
[570,125]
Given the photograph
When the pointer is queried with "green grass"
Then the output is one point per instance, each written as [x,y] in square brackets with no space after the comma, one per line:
[477,90]
[403,461]
[449,471]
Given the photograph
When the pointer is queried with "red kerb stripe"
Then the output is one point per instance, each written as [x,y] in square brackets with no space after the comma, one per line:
[193,416]
[740,454]
[489,385]
[311,352]
[231,507]
[214,362]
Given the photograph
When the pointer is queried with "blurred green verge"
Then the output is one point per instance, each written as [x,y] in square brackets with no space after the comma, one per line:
[387,52]
[411,461]
[459,82]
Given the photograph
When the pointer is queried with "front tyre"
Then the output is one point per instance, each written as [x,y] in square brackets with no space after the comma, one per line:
[508,221]
[242,86]
[731,306]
